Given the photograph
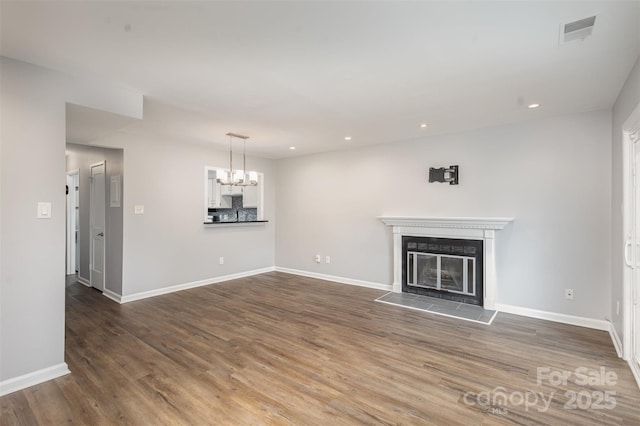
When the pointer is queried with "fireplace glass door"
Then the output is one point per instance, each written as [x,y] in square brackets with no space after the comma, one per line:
[441,272]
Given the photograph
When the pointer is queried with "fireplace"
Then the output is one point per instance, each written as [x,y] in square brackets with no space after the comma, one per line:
[458,228]
[446,268]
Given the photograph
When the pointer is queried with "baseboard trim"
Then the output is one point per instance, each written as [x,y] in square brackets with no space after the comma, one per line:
[555,317]
[84,281]
[603,325]
[617,343]
[194,284]
[112,295]
[30,379]
[333,278]
[516,310]
[635,369]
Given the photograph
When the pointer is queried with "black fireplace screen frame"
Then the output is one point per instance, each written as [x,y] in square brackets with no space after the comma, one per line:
[446,246]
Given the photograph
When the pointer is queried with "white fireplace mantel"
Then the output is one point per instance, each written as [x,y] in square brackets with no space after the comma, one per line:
[472,228]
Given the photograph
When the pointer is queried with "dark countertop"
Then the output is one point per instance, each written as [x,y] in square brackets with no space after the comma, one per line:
[234,222]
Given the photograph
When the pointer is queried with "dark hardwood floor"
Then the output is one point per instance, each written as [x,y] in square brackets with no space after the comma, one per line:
[282,349]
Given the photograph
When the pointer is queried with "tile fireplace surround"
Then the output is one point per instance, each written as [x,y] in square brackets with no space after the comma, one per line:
[471,228]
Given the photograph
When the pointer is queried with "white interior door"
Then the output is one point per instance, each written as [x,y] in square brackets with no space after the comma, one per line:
[97,222]
[635,290]
[72,222]
[631,224]
[76,219]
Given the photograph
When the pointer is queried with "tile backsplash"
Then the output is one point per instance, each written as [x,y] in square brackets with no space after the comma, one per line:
[236,212]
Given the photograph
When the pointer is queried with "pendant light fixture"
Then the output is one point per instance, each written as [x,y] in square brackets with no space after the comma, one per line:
[237,177]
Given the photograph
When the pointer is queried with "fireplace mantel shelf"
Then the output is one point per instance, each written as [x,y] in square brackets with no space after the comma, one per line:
[489,223]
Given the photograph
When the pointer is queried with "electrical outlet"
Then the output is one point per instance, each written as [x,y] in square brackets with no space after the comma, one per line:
[317,258]
[221,260]
[568,293]
[327,259]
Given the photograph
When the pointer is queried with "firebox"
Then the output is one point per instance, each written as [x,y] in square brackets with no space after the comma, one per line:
[443,267]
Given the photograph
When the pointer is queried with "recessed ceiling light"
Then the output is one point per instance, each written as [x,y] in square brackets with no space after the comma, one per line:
[347,138]
[533,106]
[423,125]
[292,148]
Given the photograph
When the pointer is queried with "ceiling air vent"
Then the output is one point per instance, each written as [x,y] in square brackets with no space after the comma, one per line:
[577,30]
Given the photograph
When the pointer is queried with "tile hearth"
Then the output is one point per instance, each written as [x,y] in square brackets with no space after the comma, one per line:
[434,305]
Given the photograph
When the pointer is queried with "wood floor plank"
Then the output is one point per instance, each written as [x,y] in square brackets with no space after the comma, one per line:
[16,410]
[287,350]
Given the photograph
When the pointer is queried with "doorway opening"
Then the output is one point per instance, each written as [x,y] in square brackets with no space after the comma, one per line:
[99,172]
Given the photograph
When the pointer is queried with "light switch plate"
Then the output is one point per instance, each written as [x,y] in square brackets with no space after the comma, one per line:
[44,210]
[138,209]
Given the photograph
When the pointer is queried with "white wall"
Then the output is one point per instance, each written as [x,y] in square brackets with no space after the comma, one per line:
[627,101]
[32,259]
[169,245]
[553,176]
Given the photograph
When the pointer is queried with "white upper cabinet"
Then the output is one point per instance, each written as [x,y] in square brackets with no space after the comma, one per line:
[250,197]
[212,201]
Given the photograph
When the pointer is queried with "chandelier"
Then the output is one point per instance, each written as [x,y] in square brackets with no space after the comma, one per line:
[237,177]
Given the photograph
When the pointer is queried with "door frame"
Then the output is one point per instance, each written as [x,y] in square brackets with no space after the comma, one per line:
[91,213]
[73,179]
[630,126]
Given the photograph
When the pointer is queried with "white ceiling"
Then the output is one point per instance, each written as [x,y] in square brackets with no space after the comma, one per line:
[308,74]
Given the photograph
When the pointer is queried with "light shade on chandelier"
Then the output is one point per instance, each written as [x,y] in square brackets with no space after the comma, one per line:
[240,177]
